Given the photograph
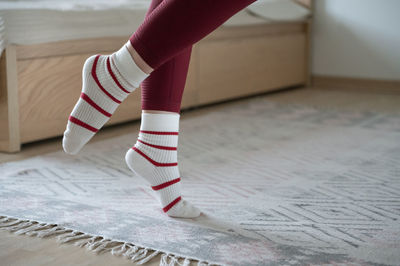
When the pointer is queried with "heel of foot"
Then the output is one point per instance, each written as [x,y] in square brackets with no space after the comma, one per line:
[129,160]
[138,165]
[87,65]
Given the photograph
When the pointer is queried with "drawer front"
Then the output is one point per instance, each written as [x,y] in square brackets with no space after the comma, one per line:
[232,68]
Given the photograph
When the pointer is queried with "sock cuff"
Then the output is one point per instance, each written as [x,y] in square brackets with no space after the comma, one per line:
[127,67]
[160,122]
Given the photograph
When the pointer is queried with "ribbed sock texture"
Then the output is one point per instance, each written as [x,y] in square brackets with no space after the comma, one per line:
[107,81]
[154,158]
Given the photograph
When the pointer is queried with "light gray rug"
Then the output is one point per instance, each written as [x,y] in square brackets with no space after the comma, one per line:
[278,185]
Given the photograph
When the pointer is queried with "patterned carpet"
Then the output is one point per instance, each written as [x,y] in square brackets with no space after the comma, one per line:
[278,185]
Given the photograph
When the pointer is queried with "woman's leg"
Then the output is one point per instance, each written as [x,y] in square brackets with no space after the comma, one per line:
[163,89]
[154,155]
[177,24]
[174,25]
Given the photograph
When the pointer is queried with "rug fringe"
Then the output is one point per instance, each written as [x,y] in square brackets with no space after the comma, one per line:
[172,260]
[97,244]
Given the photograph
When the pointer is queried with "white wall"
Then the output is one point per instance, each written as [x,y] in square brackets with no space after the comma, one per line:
[357,38]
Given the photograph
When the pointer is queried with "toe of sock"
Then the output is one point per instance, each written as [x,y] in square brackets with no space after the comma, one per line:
[184,209]
[75,138]
[71,146]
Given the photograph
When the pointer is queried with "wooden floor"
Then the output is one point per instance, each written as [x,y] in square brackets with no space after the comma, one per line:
[24,250]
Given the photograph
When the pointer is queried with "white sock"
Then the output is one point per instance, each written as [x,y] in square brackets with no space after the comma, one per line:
[107,81]
[154,158]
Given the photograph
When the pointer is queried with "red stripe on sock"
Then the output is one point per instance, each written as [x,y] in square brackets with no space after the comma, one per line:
[94,105]
[159,132]
[169,206]
[82,124]
[158,146]
[114,77]
[94,75]
[166,184]
[152,161]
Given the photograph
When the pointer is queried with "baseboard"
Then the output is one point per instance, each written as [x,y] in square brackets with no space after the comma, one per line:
[366,85]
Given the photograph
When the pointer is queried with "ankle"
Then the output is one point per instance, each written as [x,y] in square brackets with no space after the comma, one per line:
[159,112]
[165,122]
[127,67]
[138,59]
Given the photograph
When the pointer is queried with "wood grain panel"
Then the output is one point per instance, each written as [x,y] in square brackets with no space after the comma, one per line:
[48,89]
[71,47]
[98,45]
[190,93]
[356,84]
[9,106]
[4,135]
[248,66]
[245,31]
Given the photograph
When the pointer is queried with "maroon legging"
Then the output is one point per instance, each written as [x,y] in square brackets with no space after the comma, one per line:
[165,39]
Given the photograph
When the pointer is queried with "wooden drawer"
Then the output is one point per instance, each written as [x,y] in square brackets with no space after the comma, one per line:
[247,66]
[39,84]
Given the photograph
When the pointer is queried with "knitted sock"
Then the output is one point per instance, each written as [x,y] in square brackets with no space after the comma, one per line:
[154,158]
[107,81]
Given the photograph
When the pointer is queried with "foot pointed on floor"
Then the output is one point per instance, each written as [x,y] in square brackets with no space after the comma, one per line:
[154,158]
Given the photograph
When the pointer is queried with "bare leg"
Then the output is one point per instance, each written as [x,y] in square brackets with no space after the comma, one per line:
[138,59]
[158,112]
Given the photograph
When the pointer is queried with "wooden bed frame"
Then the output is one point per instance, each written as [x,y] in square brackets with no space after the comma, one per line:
[39,84]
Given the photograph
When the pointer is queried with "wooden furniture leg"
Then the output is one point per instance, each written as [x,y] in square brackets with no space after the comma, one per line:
[9,109]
